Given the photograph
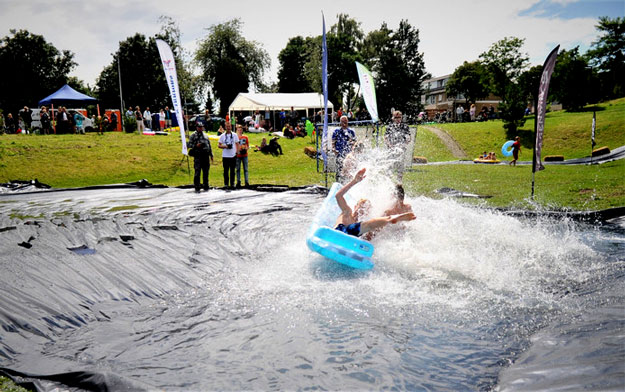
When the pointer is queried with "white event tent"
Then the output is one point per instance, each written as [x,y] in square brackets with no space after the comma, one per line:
[307,104]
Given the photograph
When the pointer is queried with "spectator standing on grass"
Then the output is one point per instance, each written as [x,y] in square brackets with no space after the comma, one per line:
[202,158]
[147,118]
[242,150]
[228,144]
[113,122]
[139,117]
[282,118]
[44,117]
[343,139]
[472,112]
[27,118]
[167,117]
[459,113]
[10,123]
[293,116]
[397,139]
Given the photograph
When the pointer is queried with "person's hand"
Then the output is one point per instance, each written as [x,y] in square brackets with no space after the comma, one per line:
[360,175]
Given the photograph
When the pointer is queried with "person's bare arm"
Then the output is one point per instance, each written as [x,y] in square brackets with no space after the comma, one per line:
[340,198]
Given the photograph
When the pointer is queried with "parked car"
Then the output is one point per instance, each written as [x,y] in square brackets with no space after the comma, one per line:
[87,122]
[201,118]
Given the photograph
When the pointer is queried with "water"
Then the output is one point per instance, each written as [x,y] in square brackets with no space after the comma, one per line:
[218,291]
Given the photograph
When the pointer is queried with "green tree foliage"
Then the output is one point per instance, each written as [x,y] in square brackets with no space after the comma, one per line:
[229,62]
[400,72]
[529,81]
[470,80]
[608,55]
[506,63]
[573,82]
[32,69]
[292,75]
[344,41]
[142,77]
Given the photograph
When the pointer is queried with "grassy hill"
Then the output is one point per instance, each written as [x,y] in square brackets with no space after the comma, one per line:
[83,160]
[565,133]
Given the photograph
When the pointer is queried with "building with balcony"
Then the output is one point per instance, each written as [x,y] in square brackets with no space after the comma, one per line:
[435,99]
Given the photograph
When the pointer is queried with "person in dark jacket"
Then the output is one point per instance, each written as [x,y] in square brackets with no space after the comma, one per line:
[202,158]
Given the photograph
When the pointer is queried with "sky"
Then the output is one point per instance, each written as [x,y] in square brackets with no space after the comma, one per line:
[451,31]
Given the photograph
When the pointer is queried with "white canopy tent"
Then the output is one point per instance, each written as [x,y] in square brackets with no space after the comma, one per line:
[278,101]
[307,104]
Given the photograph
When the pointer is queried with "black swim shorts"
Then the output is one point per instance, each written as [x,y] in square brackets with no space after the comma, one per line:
[353,229]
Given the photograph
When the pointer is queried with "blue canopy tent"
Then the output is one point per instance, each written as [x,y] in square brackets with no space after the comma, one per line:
[66,96]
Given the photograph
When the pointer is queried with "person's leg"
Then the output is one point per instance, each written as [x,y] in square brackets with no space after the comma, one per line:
[247,178]
[238,170]
[232,164]
[377,223]
[226,171]
[196,177]
[205,169]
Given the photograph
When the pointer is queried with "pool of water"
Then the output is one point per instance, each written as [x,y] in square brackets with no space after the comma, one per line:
[169,289]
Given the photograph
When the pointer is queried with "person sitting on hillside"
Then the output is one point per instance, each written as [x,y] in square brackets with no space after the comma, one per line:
[274,148]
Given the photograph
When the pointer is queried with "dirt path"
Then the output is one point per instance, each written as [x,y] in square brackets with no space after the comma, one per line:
[451,144]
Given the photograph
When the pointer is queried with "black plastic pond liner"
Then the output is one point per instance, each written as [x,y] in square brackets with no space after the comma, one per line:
[87,381]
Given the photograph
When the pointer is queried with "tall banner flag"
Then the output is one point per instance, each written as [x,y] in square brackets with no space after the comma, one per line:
[169,66]
[367,86]
[541,107]
[324,84]
[594,124]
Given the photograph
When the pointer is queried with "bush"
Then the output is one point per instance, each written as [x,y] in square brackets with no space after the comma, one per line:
[130,124]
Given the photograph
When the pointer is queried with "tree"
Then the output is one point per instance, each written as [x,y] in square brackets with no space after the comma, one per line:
[608,55]
[506,63]
[142,79]
[292,75]
[470,80]
[573,82]
[32,69]
[229,62]
[400,72]
[344,40]
[529,81]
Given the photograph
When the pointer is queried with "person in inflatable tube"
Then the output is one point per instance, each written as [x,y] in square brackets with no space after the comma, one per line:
[348,222]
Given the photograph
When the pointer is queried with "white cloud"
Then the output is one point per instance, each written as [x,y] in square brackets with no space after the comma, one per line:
[451,31]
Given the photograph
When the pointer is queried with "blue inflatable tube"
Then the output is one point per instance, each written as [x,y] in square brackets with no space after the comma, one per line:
[333,244]
[506,149]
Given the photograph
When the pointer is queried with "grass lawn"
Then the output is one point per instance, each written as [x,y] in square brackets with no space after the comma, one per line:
[565,133]
[83,160]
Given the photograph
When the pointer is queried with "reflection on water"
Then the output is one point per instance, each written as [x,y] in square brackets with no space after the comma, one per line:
[219,291]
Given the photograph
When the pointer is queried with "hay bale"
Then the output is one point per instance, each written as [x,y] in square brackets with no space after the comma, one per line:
[600,151]
[554,158]
[422,160]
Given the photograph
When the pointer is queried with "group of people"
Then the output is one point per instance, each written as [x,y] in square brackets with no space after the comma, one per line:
[397,138]
[347,149]
[485,113]
[46,121]
[488,156]
[235,148]
[146,119]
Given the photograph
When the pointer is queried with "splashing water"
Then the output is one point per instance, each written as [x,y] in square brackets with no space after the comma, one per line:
[218,291]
